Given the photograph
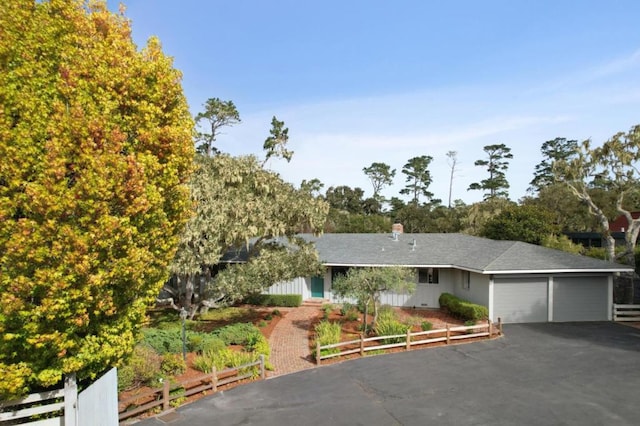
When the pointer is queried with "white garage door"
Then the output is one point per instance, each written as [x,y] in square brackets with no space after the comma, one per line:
[520,300]
[580,299]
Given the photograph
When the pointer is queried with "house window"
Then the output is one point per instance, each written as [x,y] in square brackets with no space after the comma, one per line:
[466,280]
[337,271]
[428,276]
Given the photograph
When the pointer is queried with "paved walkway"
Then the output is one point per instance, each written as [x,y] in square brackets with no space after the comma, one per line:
[289,341]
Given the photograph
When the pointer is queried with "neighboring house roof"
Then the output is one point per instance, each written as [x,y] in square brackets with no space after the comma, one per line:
[452,250]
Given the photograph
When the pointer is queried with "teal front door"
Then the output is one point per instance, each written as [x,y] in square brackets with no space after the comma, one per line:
[317,286]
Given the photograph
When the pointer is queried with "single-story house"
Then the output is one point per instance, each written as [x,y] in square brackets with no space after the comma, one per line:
[516,281]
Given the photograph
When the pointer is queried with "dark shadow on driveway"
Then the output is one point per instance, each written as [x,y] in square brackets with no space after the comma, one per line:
[541,374]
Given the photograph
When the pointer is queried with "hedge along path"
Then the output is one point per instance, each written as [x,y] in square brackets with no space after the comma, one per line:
[289,341]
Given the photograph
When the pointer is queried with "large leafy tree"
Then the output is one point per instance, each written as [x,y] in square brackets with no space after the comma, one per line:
[531,224]
[96,142]
[558,149]
[216,115]
[612,167]
[418,178]
[367,285]
[241,206]
[496,185]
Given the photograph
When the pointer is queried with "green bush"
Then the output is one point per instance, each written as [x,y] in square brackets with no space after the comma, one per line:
[201,342]
[235,334]
[352,314]
[387,312]
[345,308]
[141,368]
[276,313]
[426,326]
[163,341]
[173,364]
[226,359]
[388,326]
[284,300]
[326,310]
[328,333]
[462,308]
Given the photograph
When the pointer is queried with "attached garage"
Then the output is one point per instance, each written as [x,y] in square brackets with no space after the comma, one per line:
[520,299]
[580,298]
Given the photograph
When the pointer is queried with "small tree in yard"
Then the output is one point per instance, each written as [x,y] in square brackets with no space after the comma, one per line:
[367,285]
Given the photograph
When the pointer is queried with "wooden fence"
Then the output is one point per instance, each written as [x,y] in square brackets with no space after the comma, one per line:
[626,312]
[162,397]
[445,335]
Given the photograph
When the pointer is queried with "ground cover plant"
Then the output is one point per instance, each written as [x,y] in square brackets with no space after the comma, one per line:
[221,338]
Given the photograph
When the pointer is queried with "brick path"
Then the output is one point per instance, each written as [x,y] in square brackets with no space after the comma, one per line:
[289,341]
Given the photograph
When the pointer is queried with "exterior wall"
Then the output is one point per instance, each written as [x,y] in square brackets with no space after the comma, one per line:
[477,290]
[298,285]
[424,296]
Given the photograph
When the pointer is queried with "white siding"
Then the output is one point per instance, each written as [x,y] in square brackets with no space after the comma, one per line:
[580,298]
[296,286]
[519,300]
[478,288]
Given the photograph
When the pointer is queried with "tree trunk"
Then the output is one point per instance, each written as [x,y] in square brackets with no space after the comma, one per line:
[188,293]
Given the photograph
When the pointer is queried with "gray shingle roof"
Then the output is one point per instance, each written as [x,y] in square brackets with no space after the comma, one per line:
[452,250]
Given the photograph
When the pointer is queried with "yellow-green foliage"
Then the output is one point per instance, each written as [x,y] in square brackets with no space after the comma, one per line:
[96,148]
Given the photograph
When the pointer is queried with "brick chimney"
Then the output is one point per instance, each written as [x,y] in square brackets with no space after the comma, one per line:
[397,228]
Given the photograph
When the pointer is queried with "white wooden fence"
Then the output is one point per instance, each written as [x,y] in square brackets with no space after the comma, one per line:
[626,312]
[95,406]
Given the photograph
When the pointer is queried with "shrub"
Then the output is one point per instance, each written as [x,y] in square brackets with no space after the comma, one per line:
[173,364]
[142,368]
[462,308]
[163,341]
[326,310]
[262,324]
[276,313]
[285,300]
[268,317]
[328,333]
[413,321]
[345,308]
[235,334]
[386,312]
[426,326]
[352,314]
[387,326]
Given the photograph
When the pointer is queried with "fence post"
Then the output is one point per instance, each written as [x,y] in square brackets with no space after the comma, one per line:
[361,344]
[214,379]
[262,375]
[500,325]
[490,329]
[318,351]
[70,400]
[448,335]
[165,395]
[408,338]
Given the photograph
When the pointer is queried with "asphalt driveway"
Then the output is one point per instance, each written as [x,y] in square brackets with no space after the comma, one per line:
[538,374]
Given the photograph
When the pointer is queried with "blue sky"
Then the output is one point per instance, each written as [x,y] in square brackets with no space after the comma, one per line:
[359,82]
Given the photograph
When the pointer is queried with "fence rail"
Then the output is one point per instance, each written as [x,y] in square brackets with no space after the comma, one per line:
[626,312]
[163,396]
[407,340]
